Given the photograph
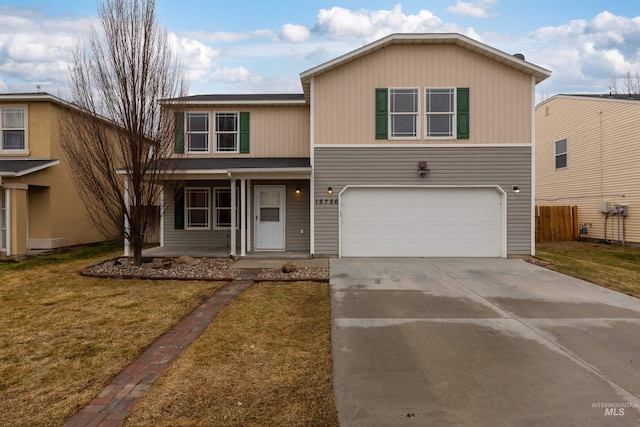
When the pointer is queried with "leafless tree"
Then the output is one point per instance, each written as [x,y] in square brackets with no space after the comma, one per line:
[118,78]
[631,83]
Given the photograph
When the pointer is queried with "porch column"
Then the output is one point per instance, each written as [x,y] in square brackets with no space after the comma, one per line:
[17,211]
[232,251]
[7,224]
[243,217]
[127,243]
[249,215]
[162,208]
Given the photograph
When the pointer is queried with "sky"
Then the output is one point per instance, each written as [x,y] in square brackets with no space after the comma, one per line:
[260,46]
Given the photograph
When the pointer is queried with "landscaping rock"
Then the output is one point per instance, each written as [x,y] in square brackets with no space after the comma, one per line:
[289,267]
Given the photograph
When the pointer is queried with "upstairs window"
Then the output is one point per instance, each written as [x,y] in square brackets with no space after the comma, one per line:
[227,132]
[12,121]
[440,113]
[197,128]
[561,154]
[403,113]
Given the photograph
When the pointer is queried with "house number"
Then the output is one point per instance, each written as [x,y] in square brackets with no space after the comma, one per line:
[326,201]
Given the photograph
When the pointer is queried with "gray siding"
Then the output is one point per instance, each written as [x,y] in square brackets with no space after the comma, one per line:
[296,211]
[337,167]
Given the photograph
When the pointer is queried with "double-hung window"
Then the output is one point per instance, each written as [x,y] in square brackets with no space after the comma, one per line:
[561,154]
[197,132]
[13,137]
[223,207]
[440,113]
[197,207]
[403,113]
[227,132]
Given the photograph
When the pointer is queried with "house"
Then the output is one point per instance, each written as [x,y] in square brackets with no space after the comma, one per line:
[414,145]
[39,205]
[586,155]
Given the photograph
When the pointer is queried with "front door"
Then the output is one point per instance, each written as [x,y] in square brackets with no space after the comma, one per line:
[269,231]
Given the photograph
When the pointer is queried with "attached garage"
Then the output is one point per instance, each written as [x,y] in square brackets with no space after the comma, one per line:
[422,221]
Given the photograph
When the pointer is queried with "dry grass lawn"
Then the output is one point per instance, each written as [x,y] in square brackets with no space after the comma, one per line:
[265,360]
[63,337]
[614,267]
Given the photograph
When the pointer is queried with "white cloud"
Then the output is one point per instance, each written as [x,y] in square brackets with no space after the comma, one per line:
[228,37]
[476,9]
[3,87]
[294,33]
[366,25]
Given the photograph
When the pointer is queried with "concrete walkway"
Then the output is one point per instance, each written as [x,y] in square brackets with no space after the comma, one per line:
[480,342]
[115,402]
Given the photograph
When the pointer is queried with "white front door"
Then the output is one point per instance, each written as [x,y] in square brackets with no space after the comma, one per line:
[269,208]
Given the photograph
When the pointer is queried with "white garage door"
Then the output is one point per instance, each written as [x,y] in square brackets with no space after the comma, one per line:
[421,222]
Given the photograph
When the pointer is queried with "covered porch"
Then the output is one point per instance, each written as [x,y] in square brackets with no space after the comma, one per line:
[236,207]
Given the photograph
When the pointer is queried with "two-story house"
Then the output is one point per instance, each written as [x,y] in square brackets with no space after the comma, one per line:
[587,154]
[39,205]
[414,145]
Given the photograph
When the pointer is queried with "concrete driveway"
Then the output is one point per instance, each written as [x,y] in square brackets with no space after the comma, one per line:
[480,342]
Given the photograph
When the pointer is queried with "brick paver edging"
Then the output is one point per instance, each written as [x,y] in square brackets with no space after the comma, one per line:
[114,403]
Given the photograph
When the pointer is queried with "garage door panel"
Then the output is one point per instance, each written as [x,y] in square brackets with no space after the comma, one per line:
[421,222]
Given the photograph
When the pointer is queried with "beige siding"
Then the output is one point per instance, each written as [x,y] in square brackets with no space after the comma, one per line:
[275,131]
[503,166]
[500,97]
[603,156]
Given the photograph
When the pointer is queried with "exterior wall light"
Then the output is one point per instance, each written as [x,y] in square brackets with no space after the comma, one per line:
[297,190]
[329,190]
[516,189]
[422,169]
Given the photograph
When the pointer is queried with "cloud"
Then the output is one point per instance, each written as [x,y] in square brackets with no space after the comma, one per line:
[476,9]
[228,37]
[293,33]
[368,25]
[3,87]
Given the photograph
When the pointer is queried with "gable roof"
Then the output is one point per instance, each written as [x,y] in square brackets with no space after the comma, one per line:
[428,38]
[606,97]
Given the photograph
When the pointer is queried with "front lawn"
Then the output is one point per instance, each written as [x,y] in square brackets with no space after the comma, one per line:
[63,337]
[614,267]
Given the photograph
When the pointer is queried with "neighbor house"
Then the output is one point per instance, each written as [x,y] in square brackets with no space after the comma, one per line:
[39,205]
[414,145]
[587,153]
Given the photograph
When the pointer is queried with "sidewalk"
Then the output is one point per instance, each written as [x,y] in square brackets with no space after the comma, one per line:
[115,402]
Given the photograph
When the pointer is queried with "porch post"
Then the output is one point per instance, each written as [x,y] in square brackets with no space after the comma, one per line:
[249,201]
[161,203]
[127,246]
[232,250]
[8,224]
[243,217]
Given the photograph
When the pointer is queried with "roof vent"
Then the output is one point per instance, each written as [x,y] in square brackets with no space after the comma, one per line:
[519,56]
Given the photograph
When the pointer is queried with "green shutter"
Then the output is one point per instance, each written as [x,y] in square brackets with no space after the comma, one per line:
[382,113]
[462,113]
[178,204]
[179,132]
[244,132]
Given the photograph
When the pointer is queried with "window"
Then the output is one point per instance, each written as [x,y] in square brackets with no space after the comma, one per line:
[227,132]
[403,113]
[12,122]
[197,208]
[561,154]
[440,113]
[197,132]
[223,207]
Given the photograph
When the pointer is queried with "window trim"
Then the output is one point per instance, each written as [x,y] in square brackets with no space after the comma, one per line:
[187,142]
[187,208]
[453,112]
[215,209]
[565,154]
[391,114]
[236,132]
[25,128]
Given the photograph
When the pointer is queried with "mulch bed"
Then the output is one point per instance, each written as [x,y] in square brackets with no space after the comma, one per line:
[188,268]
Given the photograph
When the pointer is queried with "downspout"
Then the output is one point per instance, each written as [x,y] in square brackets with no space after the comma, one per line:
[7,208]
[232,231]
[533,168]
[127,243]
[312,181]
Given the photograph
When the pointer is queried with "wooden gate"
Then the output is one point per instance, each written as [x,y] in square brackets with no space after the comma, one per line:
[556,223]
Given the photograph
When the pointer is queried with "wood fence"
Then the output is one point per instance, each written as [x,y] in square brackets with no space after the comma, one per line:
[556,223]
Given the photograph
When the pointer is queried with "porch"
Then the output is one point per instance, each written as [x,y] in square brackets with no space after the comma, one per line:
[218,252]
